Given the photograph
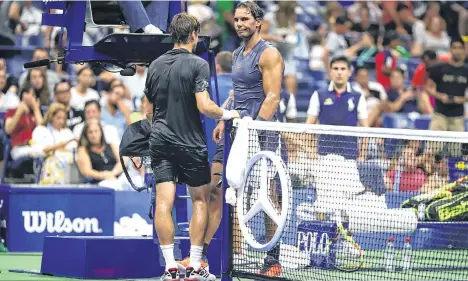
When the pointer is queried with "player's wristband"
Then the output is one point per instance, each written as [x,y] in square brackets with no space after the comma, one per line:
[227,115]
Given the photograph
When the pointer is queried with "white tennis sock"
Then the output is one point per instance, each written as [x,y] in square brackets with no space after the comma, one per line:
[195,256]
[168,253]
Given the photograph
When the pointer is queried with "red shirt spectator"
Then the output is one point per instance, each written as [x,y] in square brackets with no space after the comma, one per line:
[385,62]
[411,180]
[22,133]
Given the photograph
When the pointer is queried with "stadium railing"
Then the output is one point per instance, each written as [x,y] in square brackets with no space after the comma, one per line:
[344,221]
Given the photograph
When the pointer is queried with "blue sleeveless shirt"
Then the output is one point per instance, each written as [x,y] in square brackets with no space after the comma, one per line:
[247,80]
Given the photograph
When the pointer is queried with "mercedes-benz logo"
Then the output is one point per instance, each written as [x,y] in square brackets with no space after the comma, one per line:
[263,202]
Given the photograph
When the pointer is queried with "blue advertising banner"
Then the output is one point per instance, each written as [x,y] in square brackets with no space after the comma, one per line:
[4,205]
[35,213]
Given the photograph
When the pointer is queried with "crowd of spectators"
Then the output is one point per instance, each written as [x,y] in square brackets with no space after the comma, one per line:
[77,113]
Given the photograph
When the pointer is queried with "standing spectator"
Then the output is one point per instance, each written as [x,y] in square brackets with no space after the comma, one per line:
[62,95]
[83,92]
[115,112]
[447,83]
[419,79]
[401,100]
[223,72]
[38,80]
[20,123]
[386,60]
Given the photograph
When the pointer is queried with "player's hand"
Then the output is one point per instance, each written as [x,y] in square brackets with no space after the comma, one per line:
[459,100]
[235,114]
[231,196]
[218,132]
[109,175]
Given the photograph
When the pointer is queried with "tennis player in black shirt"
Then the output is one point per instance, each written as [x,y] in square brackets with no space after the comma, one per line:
[177,85]
[447,83]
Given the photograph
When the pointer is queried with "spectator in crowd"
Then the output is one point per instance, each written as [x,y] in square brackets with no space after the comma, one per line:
[135,84]
[62,95]
[386,60]
[434,38]
[393,16]
[317,50]
[406,174]
[365,24]
[97,160]
[8,100]
[372,11]
[116,112]
[223,73]
[11,84]
[92,111]
[336,44]
[419,79]
[83,92]
[373,91]
[38,80]
[52,76]
[31,23]
[448,83]
[11,15]
[56,142]
[401,100]
[279,27]
[19,126]
[146,111]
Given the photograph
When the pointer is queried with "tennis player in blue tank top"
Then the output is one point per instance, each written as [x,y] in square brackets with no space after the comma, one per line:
[257,75]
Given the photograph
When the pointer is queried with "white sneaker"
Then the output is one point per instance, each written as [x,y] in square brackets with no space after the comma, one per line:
[202,274]
[151,29]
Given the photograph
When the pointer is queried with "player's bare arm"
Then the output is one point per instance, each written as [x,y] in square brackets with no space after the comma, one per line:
[207,107]
[271,65]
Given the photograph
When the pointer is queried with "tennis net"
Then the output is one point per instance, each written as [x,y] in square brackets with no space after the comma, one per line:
[347,203]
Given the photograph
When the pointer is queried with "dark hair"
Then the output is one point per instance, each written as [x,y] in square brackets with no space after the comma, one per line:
[224,59]
[456,39]
[401,71]
[84,141]
[117,86]
[255,10]
[91,102]
[25,89]
[430,54]
[83,69]
[359,68]
[340,59]
[182,27]
[60,82]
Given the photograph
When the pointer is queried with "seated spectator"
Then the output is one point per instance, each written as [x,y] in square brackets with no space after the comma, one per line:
[406,175]
[93,111]
[52,76]
[317,50]
[116,112]
[62,95]
[434,38]
[373,91]
[57,143]
[135,84]
[401,100]
[38,80]
[373,12]
[11,81]
[19,126]
[146,111]
[98,160]
[83,92]
[395,14]
[8,100]
[336,44]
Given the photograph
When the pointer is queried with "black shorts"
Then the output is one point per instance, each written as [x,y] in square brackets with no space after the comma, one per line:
[179,164]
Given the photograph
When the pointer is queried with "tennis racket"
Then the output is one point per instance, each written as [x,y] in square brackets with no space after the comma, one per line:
[342,251]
